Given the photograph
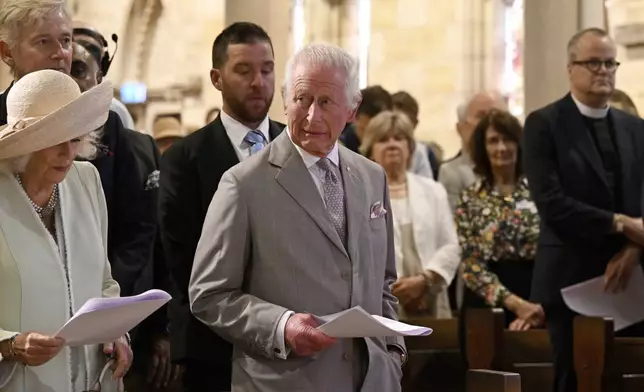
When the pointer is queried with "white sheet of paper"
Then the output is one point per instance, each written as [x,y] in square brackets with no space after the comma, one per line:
[357,323]
[625,308]
[103,320]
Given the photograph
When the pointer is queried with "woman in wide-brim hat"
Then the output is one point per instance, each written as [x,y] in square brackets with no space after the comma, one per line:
[53,234]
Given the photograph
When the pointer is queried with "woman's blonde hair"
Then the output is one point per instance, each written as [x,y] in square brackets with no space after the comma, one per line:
[385,125]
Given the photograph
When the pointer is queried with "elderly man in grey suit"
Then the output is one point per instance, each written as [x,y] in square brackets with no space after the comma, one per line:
[299,230]
[457,174]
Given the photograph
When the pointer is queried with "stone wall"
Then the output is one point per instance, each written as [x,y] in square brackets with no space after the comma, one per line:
[170,47]
[441,52]
[419,46]
[629,74]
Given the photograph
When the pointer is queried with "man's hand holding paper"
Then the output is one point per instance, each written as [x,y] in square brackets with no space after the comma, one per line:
[620,268]
[302,336]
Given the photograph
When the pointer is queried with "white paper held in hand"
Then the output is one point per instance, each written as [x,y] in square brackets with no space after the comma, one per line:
[625,308]
[103,320]
[357,323]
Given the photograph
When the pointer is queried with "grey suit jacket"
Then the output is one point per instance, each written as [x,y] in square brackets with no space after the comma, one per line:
[268,246]
[456,176]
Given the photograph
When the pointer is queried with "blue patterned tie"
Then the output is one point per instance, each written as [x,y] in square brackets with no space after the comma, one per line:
[256,140]
[334,196]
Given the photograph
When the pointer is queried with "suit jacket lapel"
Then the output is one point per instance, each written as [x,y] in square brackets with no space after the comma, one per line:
[355,202]
[418,204]
[296,180]
[624,144]
[215,157]
[274,130]
[580,137]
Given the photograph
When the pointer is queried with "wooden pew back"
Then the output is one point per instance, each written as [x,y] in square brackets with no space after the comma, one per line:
[443,338]
[604,362]
[492,381]
[434,360]
[490,346]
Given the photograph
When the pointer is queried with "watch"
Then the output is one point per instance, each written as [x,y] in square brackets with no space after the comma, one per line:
[10,347]
[618,221]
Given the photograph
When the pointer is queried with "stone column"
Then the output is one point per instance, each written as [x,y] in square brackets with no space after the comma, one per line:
[626,16]
[549,24]
[274,17]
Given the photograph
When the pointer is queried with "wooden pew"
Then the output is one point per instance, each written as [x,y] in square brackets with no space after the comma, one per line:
[603,362]
[492,381]
[434,361]
[490,346]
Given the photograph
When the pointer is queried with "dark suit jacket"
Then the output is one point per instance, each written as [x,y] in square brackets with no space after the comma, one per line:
[190,173]
[349,138]
[567,182]
[131,210]
[155,274]
[132,226]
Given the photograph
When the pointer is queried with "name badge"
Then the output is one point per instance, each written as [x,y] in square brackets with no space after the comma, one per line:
[526,205]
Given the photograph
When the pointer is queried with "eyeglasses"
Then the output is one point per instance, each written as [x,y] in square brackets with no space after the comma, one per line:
[596,65]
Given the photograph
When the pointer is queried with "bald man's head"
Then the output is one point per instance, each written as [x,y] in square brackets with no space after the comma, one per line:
[475,109]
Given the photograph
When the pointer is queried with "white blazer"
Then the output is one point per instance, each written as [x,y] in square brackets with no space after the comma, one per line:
[434,232]
[33,292]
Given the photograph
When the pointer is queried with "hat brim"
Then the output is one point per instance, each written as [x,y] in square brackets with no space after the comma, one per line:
[78,118]
[168,133]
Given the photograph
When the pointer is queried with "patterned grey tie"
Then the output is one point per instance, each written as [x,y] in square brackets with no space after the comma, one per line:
[256,141]
[334,196]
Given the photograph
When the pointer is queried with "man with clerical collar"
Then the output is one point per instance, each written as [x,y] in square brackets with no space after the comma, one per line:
[583,161]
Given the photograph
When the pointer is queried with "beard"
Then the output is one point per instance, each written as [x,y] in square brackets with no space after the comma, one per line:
[241,111]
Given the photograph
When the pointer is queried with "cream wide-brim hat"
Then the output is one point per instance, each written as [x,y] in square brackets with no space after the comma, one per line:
[46,108]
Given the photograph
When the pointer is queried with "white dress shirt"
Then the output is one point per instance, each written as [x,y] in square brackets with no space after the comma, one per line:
[318,177]
[237,131]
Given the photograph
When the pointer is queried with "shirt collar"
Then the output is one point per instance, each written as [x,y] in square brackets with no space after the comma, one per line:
[588,111]
[237,131]
[310,159]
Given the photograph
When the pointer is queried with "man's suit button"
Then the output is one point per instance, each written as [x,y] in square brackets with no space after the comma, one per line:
[346,356]
[346,276]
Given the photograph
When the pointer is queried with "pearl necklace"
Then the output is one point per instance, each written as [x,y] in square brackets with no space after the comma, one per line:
[47,210]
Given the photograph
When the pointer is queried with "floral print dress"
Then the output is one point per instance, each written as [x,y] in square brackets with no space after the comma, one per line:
[495,230]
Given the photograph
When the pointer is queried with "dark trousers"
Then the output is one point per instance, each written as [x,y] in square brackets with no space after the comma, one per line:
[200,376]
[560,328]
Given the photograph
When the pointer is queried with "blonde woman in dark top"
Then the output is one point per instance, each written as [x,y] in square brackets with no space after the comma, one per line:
[498,225]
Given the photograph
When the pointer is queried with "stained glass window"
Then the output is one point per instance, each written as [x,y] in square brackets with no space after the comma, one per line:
[512,80]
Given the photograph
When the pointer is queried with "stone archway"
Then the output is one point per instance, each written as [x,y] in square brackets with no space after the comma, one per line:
[140,30]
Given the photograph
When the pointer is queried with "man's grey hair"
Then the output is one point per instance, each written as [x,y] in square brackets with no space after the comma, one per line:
[15,14]
[573,43]
[461,110]
[331,56]
[87,150]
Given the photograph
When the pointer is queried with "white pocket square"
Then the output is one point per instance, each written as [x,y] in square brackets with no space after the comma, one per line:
[377,210]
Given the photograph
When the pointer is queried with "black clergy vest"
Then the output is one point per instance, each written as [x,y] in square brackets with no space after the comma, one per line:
[603,134]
